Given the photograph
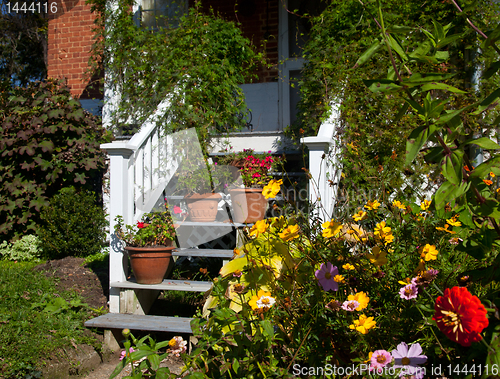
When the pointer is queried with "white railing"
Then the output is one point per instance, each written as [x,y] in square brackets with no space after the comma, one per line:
[138,176]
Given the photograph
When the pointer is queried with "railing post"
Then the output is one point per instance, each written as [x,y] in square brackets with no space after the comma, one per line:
[121,202]
[323,167]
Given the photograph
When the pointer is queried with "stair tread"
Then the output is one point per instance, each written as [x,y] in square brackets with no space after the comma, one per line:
[166,285]
[210,253]
[141,322]
[212,223]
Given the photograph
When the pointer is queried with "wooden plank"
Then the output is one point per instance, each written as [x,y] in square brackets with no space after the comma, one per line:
[167,285]
[141,322]
[209,253]
[215,223]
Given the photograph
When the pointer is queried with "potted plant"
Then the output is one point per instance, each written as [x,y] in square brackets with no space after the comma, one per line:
[248,202]
[149,245]
[198,180]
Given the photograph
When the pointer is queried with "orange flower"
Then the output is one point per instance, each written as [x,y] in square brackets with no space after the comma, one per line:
[487,182]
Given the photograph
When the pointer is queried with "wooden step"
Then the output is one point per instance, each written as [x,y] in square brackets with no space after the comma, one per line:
[207,253]
[141,322]
[166,285]
[211,224]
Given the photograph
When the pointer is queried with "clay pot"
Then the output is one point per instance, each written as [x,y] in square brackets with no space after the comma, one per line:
[203,207]
[150,264]
[249,205]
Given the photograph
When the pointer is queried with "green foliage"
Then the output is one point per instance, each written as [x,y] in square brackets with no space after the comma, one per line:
[28,337]
[72,225]
[195,67]
[345,50]
[25,249]
[47,142]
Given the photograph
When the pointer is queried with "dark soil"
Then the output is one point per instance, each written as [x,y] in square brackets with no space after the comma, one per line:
[91,283]
[72,274]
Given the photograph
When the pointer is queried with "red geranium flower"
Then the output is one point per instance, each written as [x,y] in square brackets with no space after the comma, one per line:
[460,315]
[177,209]
[140,225]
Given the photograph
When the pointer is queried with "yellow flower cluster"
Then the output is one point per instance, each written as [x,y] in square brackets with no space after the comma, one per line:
[425,205]
[331,229]
[372,205]
[289,233]
[361,298]
[383,233]
[258,228]
[398,204]
[428,252]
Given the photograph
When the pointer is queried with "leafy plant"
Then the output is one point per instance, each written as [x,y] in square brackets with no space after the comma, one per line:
[47,142]
[154,229]
[25,249]
[72,224]
[194,69]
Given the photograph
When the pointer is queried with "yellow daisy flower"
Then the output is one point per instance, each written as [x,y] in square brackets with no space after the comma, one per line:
[348,266]
[361,215]
[425,205]
[331,229]
[372,205]
[263,300]
[289,233]
[339,278]
[398,204]
[428,252]
[445,229]
[361,298]
[363,324]
[258,228]
[378,257]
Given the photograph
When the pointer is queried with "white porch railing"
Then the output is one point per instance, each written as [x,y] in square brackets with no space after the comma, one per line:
[323,168]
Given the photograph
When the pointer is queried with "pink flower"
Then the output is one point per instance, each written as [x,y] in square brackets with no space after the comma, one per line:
[124,354]
[410,291]
[177,209]
[325,276]
[409,359]
[256,175]
[350,305]
[379,359]
[140,225]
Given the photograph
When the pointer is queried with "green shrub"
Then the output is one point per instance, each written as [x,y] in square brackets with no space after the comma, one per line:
[72,224]
[25,249]
[47,142]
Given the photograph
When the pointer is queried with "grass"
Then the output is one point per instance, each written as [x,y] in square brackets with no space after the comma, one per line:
[36,320]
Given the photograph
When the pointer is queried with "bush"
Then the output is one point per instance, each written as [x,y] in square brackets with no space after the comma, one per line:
[25,249]
[47,142]
[72,224]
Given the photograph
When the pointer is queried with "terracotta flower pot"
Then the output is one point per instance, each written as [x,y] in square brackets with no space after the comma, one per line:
[249,205]
[203,207]
[150,264]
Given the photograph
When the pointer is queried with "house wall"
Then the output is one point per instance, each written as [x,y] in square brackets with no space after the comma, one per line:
[70,39]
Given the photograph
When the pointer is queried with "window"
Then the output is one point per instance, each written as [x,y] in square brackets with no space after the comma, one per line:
[155,14]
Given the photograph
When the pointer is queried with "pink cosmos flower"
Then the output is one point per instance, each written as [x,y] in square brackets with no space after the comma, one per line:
[410,291]
[140,225]
[325,276]
[379,359]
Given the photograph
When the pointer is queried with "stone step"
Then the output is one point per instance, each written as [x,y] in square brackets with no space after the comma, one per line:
[141,322]
[166,285]
[207,253]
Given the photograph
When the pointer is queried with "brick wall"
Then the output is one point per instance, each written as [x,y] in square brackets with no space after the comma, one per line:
[70,39]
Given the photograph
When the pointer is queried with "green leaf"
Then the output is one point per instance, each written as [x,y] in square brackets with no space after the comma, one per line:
[441,86]
[491,70]
[418,79]
[483,142]
[382,85]
[490,102]
[452,167]
[479,244]
[434,155]
[490,208]
[448,192]
[397,48]
[368,53]
[416,140]
[484,169]
[268,328]
[451,114]
[154,359]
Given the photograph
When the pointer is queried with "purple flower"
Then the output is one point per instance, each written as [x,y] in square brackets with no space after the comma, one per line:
[325,276]
[409,360]
[410,291]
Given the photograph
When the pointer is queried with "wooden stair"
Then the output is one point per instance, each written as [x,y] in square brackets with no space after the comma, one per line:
[141,322]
